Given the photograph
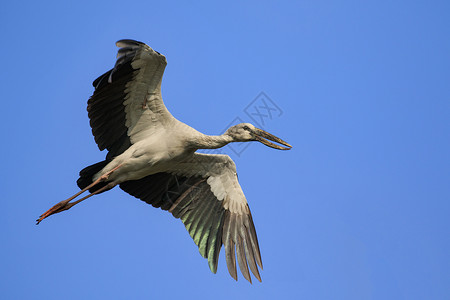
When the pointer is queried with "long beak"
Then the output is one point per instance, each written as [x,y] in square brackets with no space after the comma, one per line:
[263,137]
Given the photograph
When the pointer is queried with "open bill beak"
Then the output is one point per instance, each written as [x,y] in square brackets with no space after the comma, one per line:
[265,137]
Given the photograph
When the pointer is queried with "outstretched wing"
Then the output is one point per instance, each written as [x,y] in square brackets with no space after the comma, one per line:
[127,103]
[204,193]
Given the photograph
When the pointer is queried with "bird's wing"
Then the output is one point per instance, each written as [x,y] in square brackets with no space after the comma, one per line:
[204,193]
[127,103]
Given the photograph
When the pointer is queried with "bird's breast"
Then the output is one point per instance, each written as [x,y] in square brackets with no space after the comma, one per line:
[148,157]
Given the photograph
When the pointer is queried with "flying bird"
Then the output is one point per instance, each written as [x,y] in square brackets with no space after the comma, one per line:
[152,156]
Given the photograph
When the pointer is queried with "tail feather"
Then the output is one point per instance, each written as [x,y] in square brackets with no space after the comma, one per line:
[87,173]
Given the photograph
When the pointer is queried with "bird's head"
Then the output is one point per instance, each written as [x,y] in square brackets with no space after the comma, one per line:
[246,132]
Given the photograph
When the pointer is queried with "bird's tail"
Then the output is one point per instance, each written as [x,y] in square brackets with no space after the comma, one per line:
[87,173]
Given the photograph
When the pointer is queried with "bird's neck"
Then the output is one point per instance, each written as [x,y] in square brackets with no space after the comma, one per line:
[212,141]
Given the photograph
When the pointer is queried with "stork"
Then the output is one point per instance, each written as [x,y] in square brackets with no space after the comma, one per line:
[152,156]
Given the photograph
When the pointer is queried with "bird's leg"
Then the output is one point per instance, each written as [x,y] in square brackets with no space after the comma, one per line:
[66,204]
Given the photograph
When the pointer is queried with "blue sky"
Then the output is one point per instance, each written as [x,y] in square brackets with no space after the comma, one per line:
[358,209]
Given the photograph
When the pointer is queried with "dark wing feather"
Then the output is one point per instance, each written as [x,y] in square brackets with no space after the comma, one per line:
[106,111]
[209,224]
[121,97]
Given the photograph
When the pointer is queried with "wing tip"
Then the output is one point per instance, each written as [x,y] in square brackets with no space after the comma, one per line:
[241,244]
[128,43]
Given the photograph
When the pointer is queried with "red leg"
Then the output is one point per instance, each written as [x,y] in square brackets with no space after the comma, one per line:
[65,204]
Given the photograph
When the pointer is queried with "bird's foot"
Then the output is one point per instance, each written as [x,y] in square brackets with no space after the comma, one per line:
[57,208]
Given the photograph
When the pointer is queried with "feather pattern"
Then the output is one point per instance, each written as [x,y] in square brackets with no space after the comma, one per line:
[190,196]
[127,99]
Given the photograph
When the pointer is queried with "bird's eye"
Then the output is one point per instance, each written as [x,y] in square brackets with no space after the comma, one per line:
[246,128]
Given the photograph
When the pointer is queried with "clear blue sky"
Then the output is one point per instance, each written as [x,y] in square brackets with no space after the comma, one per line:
[358,209]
